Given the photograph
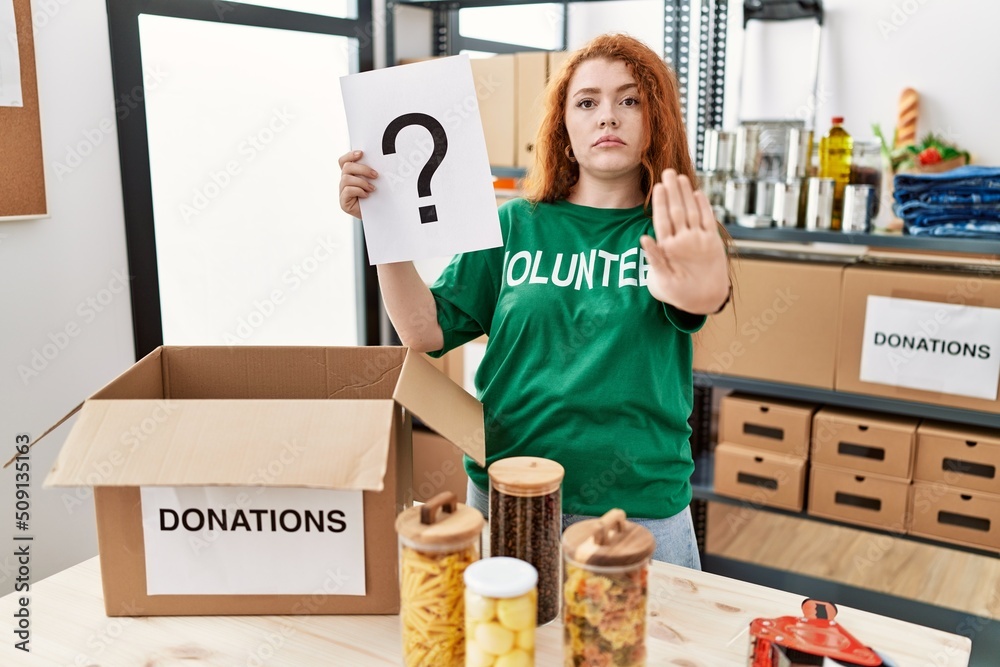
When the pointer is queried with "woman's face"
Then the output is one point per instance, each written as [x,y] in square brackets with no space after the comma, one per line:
[604,118]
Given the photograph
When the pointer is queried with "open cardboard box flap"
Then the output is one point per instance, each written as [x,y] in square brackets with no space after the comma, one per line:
[219,415]
[443,405]
[335,444]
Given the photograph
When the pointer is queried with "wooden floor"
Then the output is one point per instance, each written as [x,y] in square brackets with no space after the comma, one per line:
[932,574]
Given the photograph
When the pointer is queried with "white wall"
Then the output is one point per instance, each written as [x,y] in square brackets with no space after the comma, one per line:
[65,271]
[872,49]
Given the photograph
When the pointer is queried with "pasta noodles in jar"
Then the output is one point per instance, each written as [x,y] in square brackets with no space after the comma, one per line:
[437,542]
[604,592]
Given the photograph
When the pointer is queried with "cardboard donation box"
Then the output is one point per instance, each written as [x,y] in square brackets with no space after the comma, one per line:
[532,75]
[766,423]
[869,500]
[258,480]
[763,478]
[929,337]
[953,515]
[781,324]
[961,456]
[496,91]
[866,442]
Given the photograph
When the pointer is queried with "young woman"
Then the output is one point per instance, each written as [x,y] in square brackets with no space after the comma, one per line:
[610,262]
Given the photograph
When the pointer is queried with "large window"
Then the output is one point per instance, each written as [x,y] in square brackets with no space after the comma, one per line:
[230,169]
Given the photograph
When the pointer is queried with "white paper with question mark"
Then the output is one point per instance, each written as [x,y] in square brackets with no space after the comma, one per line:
[403,118]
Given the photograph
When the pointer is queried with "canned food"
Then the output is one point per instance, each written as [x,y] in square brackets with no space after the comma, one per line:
[859,208]
[819,204]
[737,201]
[764,200]
[786,203]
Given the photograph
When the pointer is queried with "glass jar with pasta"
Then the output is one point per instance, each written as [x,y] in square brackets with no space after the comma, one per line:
[606,563]
[501,599]
[437,542]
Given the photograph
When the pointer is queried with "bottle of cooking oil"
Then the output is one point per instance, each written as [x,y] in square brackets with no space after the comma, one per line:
[835,162]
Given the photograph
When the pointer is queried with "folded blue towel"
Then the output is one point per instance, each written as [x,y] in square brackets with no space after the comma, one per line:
[974,229]
[965,180]
[961,202]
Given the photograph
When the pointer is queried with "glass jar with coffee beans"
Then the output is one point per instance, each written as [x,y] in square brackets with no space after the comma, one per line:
[526,521]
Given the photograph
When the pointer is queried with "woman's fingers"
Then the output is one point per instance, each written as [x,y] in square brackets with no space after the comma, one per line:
[661,216]
[657,259]
[351,156]
[347,180]
[675,201]
[691,210]
[708,221]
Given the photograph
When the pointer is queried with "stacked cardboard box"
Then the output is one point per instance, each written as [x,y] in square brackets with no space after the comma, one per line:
[510,90]
[862,468]
[763,450]
[956,492]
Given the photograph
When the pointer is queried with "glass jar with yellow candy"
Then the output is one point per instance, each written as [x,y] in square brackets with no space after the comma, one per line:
[437,542]
[501,605]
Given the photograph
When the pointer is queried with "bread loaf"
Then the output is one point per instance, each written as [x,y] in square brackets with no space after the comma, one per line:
[906,121]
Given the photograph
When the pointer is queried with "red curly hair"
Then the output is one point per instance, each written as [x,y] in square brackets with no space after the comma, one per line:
[553,174]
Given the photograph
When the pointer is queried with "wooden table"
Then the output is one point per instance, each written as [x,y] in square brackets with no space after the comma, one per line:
[696,620]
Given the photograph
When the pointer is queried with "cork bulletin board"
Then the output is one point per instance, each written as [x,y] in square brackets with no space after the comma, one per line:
[22,171]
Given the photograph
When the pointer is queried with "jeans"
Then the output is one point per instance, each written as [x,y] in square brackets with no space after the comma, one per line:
[675,539]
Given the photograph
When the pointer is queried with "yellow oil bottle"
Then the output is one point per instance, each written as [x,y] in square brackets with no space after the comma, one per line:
[835,162]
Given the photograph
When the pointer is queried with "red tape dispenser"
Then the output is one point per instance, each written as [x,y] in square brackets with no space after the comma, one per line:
[815,638]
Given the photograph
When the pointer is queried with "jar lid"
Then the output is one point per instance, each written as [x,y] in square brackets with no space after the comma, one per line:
[526,475]
[500,577]
[608,541]
[440,521]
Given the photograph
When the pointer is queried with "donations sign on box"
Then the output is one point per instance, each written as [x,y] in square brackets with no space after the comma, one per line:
[941,347]
[231,540]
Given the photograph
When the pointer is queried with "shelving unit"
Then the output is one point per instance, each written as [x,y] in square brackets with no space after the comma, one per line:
[703,489]
[711,65]
[846,400]
[901,241]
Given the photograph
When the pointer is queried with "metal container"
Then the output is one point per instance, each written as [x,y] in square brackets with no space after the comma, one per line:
[747,162]
[798,153]
[720,150]
[754,221]
[859,208]
[819,204]
[786,203]
[764,200]
[737,201]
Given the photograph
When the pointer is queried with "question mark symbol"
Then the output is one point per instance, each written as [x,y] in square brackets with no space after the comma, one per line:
[427,213]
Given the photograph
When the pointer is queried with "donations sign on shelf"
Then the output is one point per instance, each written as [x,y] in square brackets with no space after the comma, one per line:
[940,347]
[226,540]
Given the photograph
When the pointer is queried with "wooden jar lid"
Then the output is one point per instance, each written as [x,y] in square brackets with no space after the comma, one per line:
[526,476]
[610,541]
[440,522]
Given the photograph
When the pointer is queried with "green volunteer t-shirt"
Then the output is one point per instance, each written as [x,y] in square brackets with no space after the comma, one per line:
[583,366]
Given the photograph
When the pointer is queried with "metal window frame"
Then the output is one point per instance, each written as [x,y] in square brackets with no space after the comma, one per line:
[133,141]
